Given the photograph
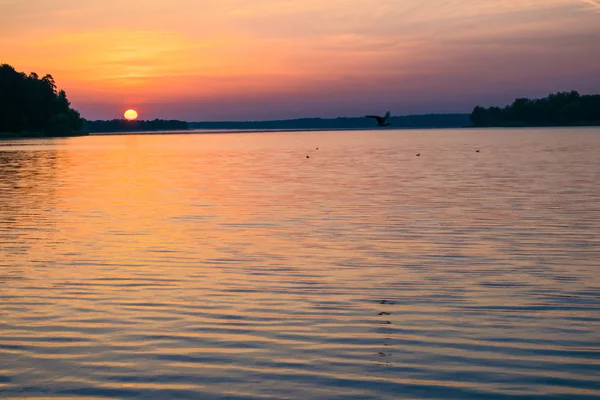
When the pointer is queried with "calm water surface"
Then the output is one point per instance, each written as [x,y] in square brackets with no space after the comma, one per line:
[232,266]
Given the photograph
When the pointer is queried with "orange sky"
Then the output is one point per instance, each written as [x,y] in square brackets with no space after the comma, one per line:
[255,59]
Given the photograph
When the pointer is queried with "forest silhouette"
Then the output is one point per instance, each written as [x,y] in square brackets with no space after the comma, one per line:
[122,125]
[31,105]
[559,109]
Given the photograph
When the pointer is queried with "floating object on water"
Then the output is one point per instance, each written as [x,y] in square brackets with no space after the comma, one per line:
[384,313]
[418,154]
[476,151]
[307,156]
[381,121]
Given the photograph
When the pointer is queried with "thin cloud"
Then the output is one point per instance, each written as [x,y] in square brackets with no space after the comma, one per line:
[595,5]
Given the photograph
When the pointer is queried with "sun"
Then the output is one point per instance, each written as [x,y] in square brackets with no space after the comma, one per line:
[130,115]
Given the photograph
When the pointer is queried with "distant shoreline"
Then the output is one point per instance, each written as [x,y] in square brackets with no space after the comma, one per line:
[37,135]
[216,131]
[350,123]
[583,125]
[234,131]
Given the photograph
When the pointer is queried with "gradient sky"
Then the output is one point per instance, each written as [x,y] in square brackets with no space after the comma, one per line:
[267,59]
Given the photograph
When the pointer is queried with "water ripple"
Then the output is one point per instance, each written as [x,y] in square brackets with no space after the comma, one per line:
[230,266]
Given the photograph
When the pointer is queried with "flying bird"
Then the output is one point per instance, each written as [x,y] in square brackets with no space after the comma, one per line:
[381,121]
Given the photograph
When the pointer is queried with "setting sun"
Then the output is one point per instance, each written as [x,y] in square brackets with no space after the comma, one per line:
[130,115]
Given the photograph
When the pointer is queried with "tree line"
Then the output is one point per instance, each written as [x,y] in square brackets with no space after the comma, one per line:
[559,109]
[408,121]
[30,104]
[122,125]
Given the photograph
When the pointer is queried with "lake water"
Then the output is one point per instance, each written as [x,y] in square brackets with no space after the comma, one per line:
[233,266]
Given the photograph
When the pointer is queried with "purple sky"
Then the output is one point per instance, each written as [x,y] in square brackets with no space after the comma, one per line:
[267,59]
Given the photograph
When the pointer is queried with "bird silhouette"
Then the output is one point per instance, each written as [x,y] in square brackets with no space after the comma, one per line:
[381,121]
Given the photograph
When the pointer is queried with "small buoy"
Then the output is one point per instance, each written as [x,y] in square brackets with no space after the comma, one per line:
[307,156]
[418,154]
[476,151]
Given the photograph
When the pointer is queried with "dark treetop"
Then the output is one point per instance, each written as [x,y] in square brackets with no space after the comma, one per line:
[33,106]
[560,109]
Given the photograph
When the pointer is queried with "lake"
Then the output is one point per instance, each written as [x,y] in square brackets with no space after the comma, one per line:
[233,266]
